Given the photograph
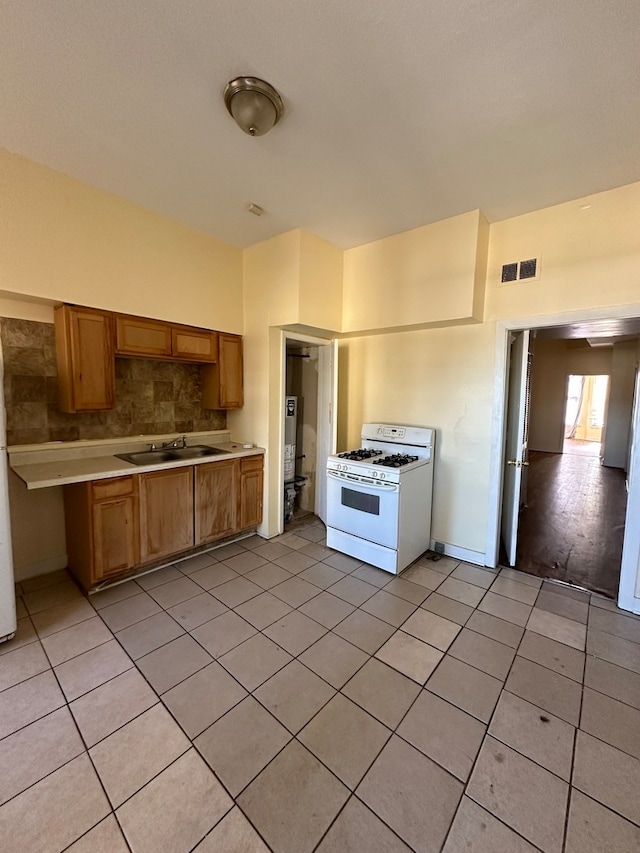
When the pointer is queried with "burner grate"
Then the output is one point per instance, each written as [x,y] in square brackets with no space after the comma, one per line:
[397,460]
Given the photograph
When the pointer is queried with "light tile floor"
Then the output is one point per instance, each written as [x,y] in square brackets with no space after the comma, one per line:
[281,696]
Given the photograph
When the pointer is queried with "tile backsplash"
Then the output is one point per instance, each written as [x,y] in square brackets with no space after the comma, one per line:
[152,396]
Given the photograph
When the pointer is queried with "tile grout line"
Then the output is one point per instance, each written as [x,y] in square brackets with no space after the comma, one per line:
[484,740]
[327,631]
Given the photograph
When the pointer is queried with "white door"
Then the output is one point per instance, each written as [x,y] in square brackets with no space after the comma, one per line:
[327,420]
[515,444]
[629,589]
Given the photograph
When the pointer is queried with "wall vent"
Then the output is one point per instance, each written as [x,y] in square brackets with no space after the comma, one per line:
[528,270]
[509,272]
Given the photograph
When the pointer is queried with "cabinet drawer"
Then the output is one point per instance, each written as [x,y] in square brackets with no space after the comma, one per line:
[115,487]
[194,344]
[251,463]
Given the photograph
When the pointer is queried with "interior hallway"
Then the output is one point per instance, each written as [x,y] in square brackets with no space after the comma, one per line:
[279,696]
[572,526]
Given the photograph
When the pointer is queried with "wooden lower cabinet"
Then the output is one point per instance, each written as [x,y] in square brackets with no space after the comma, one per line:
[119,524]
[216,500]
[101,520]
[166,512]
[251,484]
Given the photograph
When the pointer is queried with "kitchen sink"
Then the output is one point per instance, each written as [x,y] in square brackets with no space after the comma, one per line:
[170,454]
[195,451]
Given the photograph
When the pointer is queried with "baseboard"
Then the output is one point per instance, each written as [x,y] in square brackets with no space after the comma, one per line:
[475,557]
[42,567]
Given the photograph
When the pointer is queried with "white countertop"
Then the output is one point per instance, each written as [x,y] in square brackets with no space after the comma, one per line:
[60,463]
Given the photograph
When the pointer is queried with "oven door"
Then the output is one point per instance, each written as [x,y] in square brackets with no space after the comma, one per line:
[364,507]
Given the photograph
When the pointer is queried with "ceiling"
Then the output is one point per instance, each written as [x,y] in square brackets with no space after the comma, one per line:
[397,112]
[595,332]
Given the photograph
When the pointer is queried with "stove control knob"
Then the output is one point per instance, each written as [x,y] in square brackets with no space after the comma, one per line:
[382,476]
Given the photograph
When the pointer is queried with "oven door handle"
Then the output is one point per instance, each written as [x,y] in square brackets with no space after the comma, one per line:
[366,482]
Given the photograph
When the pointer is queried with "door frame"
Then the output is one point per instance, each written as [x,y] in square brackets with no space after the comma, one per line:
[629,572]
[513,477]
[327,390]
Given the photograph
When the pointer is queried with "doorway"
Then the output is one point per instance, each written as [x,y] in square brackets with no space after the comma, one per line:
[309,433]
[577,503]
[584,414]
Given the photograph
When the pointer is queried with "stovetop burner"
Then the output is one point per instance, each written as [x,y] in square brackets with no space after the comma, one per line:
[359,455]
[397,460]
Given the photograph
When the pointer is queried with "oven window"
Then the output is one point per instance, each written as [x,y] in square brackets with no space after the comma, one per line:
[361,501]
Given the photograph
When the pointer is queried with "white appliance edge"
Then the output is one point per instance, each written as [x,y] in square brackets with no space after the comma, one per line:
[7,587]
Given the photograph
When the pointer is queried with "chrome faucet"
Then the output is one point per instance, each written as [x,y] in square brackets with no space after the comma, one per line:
[180,441]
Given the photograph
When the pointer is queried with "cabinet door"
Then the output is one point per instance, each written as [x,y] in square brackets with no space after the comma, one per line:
[216,491]
[139,336]
[166,513]
[115,537]
[230,371]
[85,354]
[194,344]
[251,482]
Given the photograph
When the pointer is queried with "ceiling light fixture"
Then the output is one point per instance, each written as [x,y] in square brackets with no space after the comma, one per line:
[254,104]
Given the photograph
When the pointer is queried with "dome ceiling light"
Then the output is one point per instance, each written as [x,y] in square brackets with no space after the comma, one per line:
[254,104]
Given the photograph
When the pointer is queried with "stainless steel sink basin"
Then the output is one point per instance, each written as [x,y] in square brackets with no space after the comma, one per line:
[195,451]
[146,457]
[170,454]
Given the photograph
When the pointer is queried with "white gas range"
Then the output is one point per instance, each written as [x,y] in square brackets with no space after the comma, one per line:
[379,496]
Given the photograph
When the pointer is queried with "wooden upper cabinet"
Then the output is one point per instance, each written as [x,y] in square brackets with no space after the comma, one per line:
[139,336]
[194,344]
[87,340]
[230,371]
[85,356]
[158,339]
[216,500]
[222,383]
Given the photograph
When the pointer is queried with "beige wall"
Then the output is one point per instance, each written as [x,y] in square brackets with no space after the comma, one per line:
[553,361]
[589,250]
[425,276]
[270,278]
[66,241]
[624,360]
[320,283]
[440,378]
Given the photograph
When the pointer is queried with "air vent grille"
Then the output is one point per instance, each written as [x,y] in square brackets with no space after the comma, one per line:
[509,272]
[528,270]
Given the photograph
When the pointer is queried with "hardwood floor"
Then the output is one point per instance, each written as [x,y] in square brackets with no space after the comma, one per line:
[572,526]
